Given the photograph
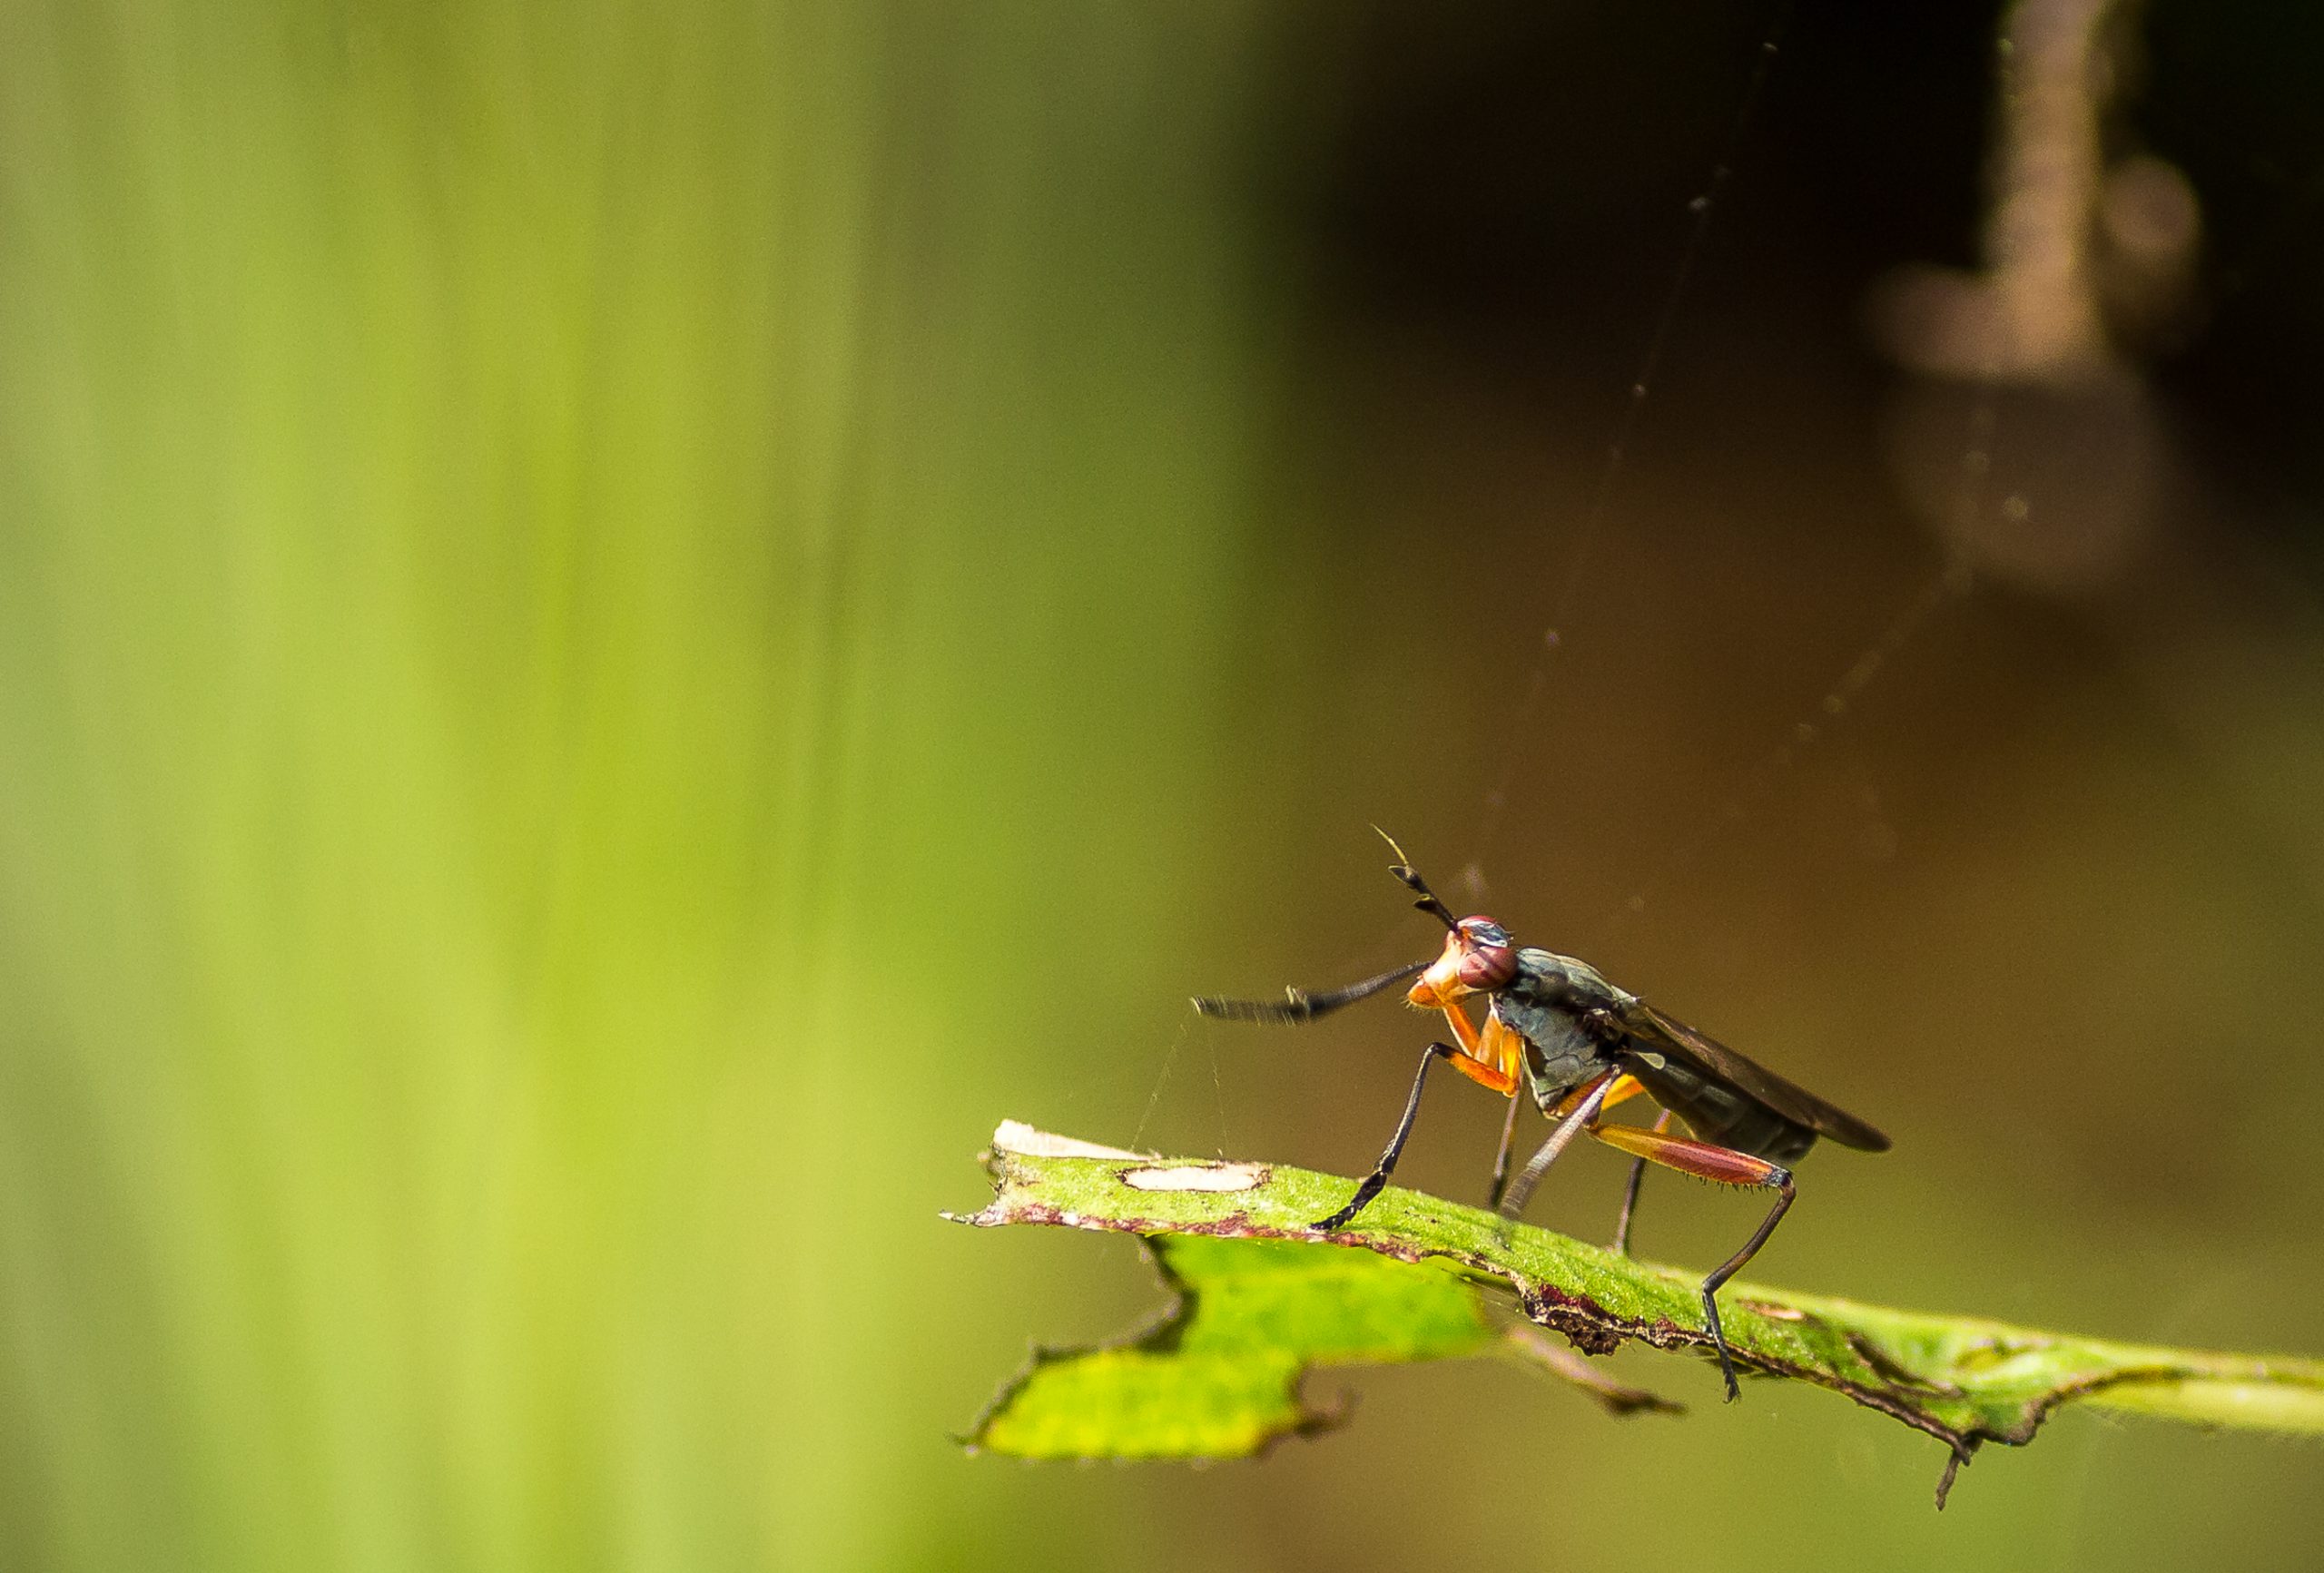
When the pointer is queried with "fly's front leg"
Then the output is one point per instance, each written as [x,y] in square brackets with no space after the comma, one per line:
[1501,1048]
[1377,1180]
[1728,1167]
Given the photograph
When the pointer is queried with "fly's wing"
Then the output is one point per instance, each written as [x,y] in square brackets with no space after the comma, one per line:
[1707,1057]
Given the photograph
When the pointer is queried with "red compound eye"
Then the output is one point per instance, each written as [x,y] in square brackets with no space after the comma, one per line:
[1488,960]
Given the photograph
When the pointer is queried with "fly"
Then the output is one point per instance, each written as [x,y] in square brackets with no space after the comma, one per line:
[1584,1045]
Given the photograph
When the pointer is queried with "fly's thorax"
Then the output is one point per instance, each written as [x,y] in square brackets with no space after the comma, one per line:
[1546,1002]
[1559,1056]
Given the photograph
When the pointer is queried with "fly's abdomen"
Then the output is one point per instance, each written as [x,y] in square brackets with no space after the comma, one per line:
[1719,1114]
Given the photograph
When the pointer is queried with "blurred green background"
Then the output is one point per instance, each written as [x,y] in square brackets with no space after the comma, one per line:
[621,624]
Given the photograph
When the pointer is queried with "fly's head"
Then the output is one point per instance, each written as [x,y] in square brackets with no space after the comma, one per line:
[1479,958]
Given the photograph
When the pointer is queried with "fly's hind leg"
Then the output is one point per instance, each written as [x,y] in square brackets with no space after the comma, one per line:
[1728,1167]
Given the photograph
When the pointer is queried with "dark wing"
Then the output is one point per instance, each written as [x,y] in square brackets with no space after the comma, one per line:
[1652,1030]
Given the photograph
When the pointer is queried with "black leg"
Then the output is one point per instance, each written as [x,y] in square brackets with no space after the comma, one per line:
[1374,1181]
[1781,1179]
[1514,1202]
[1630,1195]
[1630,1205]
[1500,1159]
[1727,1166]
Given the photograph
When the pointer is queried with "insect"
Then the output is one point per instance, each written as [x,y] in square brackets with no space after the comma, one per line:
[1585,1046]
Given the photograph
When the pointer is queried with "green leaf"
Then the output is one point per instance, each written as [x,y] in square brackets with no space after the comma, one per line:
[1218,1378]
[1261,1298]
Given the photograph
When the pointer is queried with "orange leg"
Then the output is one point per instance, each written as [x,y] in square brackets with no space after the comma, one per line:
[1501,1046]
[1701,1159]
[1500,1069]
[1503,1081]
[1728,1167]
[1490,1057]
[1465,1031]
[1625,1088]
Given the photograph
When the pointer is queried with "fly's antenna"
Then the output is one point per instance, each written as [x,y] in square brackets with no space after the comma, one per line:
[1428,902]
[1403,869]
